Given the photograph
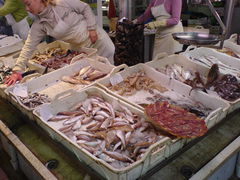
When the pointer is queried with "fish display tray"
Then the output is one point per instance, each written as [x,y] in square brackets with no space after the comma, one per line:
[11,44]
[224,58]
[51,84]
[218,105]
[187,64]
[63,102]
[231,43]
[42,47]
[195,52]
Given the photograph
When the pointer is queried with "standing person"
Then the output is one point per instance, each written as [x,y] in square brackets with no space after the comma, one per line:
[16,15]
[69,20]
[167,21]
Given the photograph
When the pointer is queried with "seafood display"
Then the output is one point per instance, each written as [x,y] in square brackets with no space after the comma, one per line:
[4,72]
[55,58]
[228,87]
[140,89]
[135,82]
[185,103]
[177,72]
[175,120]
[34,100]
[110,132]
[129,43]
[85,76]
[210,60]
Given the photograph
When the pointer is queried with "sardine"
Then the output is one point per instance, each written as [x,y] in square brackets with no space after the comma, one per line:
[118,156]
[84,70]
[121,136]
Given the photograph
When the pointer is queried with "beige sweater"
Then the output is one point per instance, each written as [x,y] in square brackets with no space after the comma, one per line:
[71,12]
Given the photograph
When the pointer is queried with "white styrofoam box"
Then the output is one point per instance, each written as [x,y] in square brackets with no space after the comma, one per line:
[231,43]
[51,84]
[218,105]
[42,47]
[10,44]
[65,101]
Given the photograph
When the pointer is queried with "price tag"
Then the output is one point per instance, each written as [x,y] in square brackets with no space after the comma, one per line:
[116,79]
[20,90]
[44,112]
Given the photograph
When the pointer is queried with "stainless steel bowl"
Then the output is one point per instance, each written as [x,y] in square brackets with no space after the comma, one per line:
[195,38]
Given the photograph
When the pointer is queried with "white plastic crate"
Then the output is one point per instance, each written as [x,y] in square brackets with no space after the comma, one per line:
[63,102]
[231,43]
[219,106]
[51,84]
[194,52]
[226,59]
[41,48]
[10,44]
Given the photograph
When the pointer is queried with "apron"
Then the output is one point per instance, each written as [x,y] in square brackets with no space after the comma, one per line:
[20,28]
[164,41]
[78,36]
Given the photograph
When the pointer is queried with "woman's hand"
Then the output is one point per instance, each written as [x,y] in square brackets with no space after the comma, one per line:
[93,36]
[13,78]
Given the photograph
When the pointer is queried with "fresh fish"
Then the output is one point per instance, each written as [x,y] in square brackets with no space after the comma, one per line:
[121,136]
[118,156]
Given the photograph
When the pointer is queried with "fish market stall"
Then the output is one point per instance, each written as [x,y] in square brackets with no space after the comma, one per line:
[84,118]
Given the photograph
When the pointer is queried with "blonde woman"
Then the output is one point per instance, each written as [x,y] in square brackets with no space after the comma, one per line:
[69,20]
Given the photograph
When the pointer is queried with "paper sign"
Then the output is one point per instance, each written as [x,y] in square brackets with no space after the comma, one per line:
[116,79]
[20,90]
[44,112]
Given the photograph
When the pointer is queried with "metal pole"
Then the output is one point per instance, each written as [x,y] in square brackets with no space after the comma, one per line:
[228,21]
[230,9]
[129,10]
[216,15]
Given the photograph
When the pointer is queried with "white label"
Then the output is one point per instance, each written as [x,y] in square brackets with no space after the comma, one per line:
[45,113]
[20,90]
[116,79]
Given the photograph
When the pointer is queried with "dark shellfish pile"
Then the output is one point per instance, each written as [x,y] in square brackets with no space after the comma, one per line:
[129,43]
[228,87]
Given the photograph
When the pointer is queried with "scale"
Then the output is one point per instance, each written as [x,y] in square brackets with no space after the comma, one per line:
[204,39]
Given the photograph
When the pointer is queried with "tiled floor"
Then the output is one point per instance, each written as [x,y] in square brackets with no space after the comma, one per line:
[3,176]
